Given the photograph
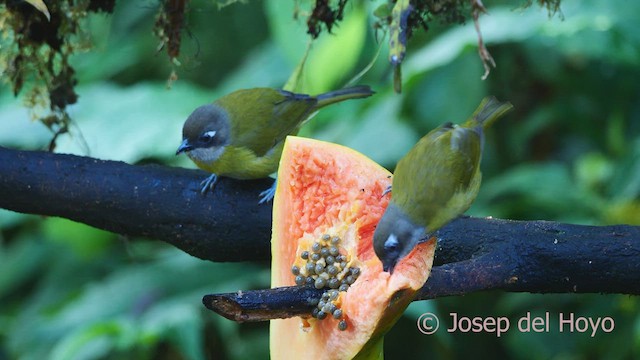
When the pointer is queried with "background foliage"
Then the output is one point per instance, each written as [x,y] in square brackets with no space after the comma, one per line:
[569,152]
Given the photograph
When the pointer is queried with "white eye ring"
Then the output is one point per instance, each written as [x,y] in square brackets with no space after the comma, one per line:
[208,135]
[391,243]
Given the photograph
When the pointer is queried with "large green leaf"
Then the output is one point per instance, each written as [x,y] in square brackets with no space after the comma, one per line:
[332,57]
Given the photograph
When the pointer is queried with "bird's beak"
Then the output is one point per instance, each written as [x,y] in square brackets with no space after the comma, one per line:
[388,267]
[184,147]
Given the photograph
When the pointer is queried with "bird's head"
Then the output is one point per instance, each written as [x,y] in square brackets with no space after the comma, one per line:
[205,133]
[395,236]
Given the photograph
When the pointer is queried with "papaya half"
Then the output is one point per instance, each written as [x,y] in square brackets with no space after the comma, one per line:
[328,201]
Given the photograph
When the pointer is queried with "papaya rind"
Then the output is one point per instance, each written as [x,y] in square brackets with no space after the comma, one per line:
[364,338]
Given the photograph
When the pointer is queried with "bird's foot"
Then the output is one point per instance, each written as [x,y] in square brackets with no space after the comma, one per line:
[386,191]
[268,194]
[208,184]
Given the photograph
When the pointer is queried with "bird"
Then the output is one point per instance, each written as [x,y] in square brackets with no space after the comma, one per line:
[241,135]
[434,183]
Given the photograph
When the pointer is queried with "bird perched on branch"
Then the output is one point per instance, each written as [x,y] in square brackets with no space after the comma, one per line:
[434,183]
[241,135]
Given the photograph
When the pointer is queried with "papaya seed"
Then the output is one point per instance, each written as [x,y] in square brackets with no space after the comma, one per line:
[310,268]
[310,280]
[333,294]
[350,279]
[304,255]
[316,247]
[355,271]
[335,240]
[326,237]
[337,314]
[315,312]
[332,307]
[295,270]
[315,257]
[332,270]
[334,283]
[342,325]
[321,315]
[330,259]
[334,251]
[327,308]
[300,280]
[320,283]
[343,264]
[324,251]
[343,287]
[321,304]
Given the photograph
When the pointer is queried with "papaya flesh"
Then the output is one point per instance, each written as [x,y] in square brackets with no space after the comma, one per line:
[329,197]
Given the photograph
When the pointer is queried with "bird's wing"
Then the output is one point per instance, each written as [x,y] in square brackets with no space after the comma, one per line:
[263,117]
[422,183]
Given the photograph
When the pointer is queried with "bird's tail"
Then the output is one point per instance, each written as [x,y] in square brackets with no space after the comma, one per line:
[335,96]
[490,110]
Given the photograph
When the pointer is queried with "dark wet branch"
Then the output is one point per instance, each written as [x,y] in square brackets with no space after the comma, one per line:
[489,254]
[228,225]
[153,201]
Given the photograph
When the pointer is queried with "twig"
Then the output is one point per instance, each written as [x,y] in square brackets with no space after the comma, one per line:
[514,256]
[476,8]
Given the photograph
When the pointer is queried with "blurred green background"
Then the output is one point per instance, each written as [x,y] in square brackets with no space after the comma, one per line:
[569,152]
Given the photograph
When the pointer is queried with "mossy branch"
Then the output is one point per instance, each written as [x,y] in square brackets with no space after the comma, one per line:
[164,203]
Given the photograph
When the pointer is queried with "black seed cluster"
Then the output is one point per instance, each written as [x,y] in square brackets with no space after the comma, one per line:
[326,268]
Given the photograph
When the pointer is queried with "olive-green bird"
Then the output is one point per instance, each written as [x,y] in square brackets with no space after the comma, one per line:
[241,135]
[434,183]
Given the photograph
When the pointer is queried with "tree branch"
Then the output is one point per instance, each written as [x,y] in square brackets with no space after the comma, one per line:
[154,201]
[228,225]
[476,254]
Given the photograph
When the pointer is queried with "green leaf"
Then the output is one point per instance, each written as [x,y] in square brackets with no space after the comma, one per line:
[21,262]
[130,132]
[323,71]
[365,132]
[623,212]
[449,93]
[85,241]
[625,183]
[265,66]
[95,341]
[9,218]
[181,323]
[593,170]
[589,29]
[288,33]
[538,191]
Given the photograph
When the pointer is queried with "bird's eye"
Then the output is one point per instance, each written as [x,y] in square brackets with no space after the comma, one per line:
[207,136]
[391,243]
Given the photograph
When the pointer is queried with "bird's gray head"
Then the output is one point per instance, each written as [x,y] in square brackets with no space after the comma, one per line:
[205,133]
[395,236]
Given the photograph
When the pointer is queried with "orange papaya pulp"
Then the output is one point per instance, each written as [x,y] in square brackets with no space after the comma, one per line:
[331,196]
